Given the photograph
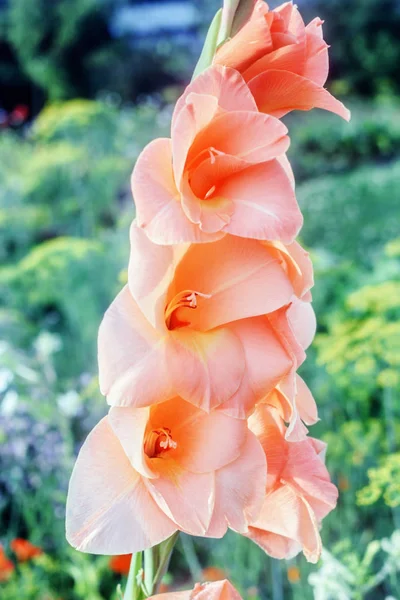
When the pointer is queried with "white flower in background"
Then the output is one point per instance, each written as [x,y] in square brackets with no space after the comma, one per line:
[47,344]
[6,377]
[9,404]
[69,403]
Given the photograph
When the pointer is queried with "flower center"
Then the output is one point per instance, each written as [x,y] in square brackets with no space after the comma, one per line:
[159,441]
[185,299]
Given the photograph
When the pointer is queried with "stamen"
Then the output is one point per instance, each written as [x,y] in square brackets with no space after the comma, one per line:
[159,441]
[187,299]
[210,192]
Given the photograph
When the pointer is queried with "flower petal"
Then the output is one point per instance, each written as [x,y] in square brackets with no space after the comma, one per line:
[130,351]
[129,425]
[240,489]
[286,514]
[109,510]
[187,498]
[158,203]
[265,206]
[242,276]
[225,84]
[206,368]
[279,92]
[205,441]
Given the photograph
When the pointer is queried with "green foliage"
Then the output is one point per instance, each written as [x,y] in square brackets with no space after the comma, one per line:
[325,144]
[56,44]
[384,483]
[351,216]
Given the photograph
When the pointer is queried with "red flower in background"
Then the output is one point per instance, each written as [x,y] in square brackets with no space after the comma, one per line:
[24,550]
[6,566]
[120,564]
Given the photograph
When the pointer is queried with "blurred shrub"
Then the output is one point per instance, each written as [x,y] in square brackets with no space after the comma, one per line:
[57,44]
[351,216]
[321,143]
[65,285]
[384,482]
[362,347]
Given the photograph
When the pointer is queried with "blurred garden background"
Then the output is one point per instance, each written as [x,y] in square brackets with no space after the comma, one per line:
[85,84]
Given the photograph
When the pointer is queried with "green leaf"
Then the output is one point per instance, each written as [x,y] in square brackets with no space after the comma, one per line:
[210,45]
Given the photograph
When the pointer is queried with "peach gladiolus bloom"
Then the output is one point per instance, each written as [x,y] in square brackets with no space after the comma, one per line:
[299,492]
[203,317]
[284,62]
[218,590]
[221,172]
[144,473]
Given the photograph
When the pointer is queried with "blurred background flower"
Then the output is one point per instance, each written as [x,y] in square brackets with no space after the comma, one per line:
[85,85]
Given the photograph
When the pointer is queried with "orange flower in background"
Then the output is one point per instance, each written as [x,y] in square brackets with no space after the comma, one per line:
[293,574]
[299,493]
[24,550]
[6,566]
[284,62]
[213,574]
[223,171]
[144,473]
[121,563]
[219,590]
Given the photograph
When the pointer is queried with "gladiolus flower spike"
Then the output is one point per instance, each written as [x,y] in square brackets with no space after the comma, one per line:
[198,354]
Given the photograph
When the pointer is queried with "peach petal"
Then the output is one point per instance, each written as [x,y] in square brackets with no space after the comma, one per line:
[279,92]
[217,590]
[265,204]
[288,58]
[242,277]
[302,321]
[225,84]
[317,62]
[250,43]
[197,112]
[150,272]
[129,425]
[249,135]
[240,489]
[205,441]
[158,205]
[109,510]
[289,515]
[186,498]
[213,365]
[305,403]
[266,359]
[129,352]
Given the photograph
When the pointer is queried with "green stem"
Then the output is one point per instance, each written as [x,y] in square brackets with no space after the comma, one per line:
[165,553]
[132,590]
[150,565]
[155,562]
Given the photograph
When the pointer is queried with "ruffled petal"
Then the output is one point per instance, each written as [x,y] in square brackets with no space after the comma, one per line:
[265,205]
[205,441]
[279,92]
[187,498]
[109,510]
[158,202]
[222,82]
[130,351]
[289,516]
[206,368]
[242,278]
[240,489]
